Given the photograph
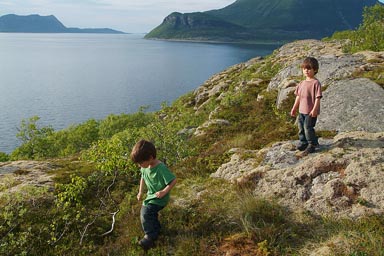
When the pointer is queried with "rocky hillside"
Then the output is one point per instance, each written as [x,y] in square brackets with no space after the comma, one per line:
[344,176]
[223,191]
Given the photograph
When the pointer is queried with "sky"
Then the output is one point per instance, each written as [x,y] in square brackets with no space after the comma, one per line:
[131,16]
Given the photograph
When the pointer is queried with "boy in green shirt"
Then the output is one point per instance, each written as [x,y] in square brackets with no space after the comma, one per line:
[159,181]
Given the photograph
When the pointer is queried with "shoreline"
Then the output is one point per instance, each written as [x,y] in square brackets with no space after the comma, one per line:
[280,43]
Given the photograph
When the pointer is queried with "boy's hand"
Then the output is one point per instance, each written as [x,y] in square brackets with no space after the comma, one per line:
[139,196]
[293,112]
[313,113]
[160,194]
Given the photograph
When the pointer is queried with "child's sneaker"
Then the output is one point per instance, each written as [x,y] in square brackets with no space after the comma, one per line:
[301,146]
[310,149]
[146,243]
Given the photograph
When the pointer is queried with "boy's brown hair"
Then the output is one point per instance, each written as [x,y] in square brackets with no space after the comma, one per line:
[311,63]
[143,151]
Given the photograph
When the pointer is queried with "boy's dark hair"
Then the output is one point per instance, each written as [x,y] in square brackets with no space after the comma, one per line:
[142,151]
[311,63]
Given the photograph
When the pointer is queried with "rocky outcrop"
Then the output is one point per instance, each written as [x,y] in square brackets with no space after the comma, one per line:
[218,87]
[196,21]
[218,122]
[344,177]
[348,104]
[17,174]
[332,68]
[352,105]
[219,84]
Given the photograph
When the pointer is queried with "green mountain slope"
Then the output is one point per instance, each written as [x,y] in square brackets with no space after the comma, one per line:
[197,25]
[260,20]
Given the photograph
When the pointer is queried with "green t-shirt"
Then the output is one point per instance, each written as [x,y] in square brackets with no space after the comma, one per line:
[156,179]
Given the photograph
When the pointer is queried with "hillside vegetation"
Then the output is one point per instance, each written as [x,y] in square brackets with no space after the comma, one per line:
[73,192]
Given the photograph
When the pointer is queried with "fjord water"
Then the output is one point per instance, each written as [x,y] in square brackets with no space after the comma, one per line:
[67,79]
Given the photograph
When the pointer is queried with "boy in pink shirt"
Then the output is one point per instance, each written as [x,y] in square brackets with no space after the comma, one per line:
[308,95]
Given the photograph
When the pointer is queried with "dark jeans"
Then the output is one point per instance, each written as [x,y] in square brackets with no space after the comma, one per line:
[306,124]
[149,220]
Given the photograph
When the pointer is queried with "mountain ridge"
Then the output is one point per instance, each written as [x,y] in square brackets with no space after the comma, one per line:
[270,20]
[34,23]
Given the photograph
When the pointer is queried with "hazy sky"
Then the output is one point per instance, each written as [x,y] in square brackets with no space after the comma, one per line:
[135,16]
[125,15]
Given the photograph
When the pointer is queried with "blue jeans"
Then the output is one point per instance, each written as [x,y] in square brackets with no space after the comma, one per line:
[149,220]
[306,124]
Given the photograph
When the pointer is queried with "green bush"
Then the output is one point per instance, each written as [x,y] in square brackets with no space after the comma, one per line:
[23,218]
[35,140]
[369,35]
[4,157]
[41,142]
[114,124]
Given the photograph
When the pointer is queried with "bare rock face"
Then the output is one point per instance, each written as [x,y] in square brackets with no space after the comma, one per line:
[218,122]
[352,105]
[344,177]
[24,173]
[348,104]
[237,167]
[331,69]
[295,51]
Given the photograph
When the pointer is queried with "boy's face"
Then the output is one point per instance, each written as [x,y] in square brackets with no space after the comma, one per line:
[146,164]
[308,72]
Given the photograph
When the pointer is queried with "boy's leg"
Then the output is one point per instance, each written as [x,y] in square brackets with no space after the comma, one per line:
[309,129]
[149,220]
[302,136]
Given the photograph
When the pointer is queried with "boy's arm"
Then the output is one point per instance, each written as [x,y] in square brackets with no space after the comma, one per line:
[162,193]
[316,108]
[140,189]
[295,106]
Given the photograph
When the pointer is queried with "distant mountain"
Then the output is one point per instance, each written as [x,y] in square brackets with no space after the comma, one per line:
[265,20]
[43,24]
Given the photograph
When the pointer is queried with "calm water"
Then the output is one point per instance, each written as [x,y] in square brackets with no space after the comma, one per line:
[69,78]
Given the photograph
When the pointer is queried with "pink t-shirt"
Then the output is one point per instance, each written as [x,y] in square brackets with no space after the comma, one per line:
[308,91]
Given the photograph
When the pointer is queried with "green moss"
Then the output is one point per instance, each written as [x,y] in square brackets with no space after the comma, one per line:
[376,74]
